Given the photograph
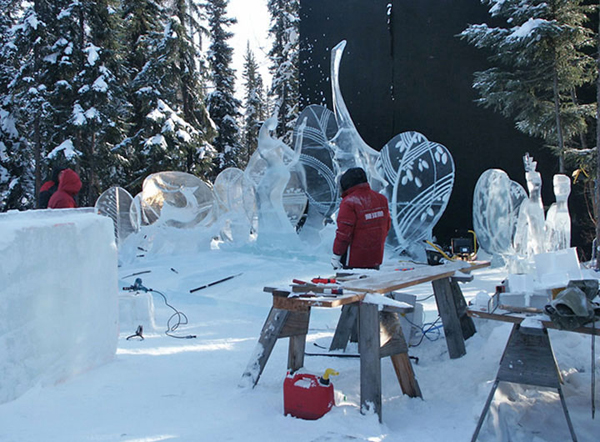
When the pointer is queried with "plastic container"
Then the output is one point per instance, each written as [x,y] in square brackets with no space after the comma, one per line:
[307,396]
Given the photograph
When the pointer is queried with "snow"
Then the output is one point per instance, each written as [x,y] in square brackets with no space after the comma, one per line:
[67,147]
[527,28]
[162,388]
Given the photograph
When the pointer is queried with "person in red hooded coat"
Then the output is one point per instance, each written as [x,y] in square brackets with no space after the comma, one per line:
[69,186]
[363,223]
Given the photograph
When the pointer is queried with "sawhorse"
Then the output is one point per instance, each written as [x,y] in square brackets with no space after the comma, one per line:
[528,359]
[289,317]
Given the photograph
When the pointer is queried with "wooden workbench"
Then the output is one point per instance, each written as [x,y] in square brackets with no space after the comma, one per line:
[290,314]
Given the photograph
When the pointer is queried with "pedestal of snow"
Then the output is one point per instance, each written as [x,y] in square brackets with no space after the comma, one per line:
[59,314]
[136,309]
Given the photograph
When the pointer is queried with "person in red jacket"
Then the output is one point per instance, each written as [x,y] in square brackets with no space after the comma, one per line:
[69,185]
[48,189]
[363,222]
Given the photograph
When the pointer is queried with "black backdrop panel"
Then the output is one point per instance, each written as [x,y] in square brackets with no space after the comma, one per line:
[411,72]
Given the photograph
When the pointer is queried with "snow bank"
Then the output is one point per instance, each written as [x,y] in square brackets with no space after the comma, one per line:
[58,285]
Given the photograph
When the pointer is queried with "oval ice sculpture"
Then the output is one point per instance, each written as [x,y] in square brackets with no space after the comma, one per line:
[317,157]
[115,203]
[175,199]
[421,177]
[496,202]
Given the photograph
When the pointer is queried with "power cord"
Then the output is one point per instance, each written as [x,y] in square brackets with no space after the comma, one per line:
[424,332]
[181,317]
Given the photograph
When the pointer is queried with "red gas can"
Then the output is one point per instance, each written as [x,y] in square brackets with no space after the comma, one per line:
[307,396]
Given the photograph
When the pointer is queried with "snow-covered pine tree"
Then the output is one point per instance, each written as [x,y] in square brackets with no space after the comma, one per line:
[148,148]
[179,128]
[8,133]
[27,109]
[254,106]
[540,60]
[93,101]
[222,105]
[284,64]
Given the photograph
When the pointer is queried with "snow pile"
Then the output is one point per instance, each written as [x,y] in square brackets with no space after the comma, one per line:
[58,315]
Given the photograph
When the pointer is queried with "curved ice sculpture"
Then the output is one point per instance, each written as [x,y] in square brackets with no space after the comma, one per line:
[236,204]
[496,202]
[421,176]
[176,199]
[116,204]
[558,220]
[350,149]
[278,180]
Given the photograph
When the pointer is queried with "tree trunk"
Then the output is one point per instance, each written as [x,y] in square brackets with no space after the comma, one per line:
[559,134]
[597,187]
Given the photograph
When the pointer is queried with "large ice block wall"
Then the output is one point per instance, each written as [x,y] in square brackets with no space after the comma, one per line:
[58,297]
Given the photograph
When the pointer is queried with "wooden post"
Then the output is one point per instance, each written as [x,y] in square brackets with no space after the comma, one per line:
[406,375]
[346,324]
[447,309]
[268,337]
[466,322]
[370,363]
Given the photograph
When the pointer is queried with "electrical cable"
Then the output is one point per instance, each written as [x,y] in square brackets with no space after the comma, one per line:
[181,317]
[424,332]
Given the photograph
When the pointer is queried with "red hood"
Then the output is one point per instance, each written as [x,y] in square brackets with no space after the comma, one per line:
[69,182]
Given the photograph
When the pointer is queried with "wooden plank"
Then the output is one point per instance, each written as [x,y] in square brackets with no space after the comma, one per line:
[344,327]
[401,281]
[268,337]
[406,375]
[296,324]
[370,363]
[466,323]
[291,304]
[515,318]
[444,299]
[475,265]
[299,303]
[528,359]
[296,349]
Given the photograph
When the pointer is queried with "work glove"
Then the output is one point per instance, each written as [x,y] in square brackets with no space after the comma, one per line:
[336,262]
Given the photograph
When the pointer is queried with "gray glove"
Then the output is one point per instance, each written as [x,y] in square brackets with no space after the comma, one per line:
[336,262]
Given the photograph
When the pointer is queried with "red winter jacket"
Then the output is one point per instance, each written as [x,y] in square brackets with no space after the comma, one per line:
[69,185]
[363,222]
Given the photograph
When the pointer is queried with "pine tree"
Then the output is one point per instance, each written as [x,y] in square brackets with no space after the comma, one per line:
[185,127]
[27,109]
[143,151]
[254,105]
[223,107]
[284,58]
[540,62]
[9,136]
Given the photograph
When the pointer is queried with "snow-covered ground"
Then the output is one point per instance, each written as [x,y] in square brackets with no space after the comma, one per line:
[162,388]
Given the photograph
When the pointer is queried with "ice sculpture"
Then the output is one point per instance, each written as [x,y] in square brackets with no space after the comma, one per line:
[320,168]
[496,202]
[175,199]
[116,204]
[235,201]
[421,176]
[272,180]
[278,153]
[558,220]
[529,235]
[350,149]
